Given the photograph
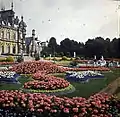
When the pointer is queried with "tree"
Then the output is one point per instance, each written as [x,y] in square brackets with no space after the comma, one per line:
[52,44]
[98,46]
[115,48]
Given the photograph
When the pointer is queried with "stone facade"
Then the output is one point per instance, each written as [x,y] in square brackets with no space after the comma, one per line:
[33,45]
[11,32]
[8,40]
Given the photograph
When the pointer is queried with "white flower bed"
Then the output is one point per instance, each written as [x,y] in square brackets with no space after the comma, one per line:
[3,68]
[7,74]
[83,74]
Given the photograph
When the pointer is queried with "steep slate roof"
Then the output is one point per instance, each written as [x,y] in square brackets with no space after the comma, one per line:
[28,40]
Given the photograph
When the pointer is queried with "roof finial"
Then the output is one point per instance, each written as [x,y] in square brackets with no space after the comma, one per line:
[12,5]
[22,17]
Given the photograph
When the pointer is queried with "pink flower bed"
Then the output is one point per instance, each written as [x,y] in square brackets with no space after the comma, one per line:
[33,67]
[51,83]
[8,63]
[48,67]
[46,82]
[96,106]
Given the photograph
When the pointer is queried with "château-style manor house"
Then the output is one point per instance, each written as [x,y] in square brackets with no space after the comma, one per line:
[13,38]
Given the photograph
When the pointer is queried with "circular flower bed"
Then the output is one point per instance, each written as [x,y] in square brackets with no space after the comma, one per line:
[47,84]
[44,83]
[41,105]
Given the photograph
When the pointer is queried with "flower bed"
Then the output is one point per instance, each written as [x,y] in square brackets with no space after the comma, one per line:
[41,105]
[47,84]
[8,77]
[89,68]
[81,61]
[56,92]
[8,63]
[33,67]
[3,68]
[83,76]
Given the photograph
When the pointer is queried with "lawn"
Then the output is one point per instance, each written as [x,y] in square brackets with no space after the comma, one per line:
[63,63]
[94,86]
[83,90]
[22,79]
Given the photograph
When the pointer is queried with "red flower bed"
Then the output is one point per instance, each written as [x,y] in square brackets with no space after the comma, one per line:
[117,67]
[47,83]
[33,67]
[89,68]
[8,63]
[99,105]
[40,75]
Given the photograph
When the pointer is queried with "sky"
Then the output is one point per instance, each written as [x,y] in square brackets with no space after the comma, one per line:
[79,20]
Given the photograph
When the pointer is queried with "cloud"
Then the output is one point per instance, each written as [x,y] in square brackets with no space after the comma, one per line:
[76,19]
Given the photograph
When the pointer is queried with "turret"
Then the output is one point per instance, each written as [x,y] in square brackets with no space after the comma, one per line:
[33,42]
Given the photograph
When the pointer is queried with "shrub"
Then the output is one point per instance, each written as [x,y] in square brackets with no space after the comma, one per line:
[61,54]
[73,63]
[2,59]
[66,58]
[20,59]
[77,58]
[9,59]
[37,57]
[57,58]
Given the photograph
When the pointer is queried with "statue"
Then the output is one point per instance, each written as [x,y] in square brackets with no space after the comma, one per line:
[22,25]
[12,22]
[74,54]
[16,21]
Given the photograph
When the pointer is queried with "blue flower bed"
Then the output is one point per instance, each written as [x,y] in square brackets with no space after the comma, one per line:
[83,76]
[7,78]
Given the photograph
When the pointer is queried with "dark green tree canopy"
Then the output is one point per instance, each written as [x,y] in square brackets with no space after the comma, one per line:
[97,46]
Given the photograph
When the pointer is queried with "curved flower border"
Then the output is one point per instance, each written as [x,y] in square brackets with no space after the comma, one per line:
[70,89]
